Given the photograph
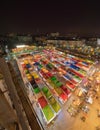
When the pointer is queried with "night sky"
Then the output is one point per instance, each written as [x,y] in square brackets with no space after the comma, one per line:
[44,16]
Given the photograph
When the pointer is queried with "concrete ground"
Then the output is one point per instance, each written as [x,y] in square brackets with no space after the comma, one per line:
[65,122]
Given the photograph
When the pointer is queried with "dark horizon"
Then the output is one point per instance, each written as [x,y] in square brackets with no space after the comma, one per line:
[40,17]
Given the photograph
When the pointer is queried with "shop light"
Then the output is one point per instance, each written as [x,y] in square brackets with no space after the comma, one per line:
[21,46]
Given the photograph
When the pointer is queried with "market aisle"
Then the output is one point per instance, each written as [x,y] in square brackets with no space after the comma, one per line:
[63,121]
